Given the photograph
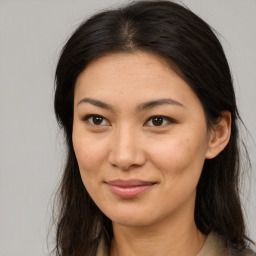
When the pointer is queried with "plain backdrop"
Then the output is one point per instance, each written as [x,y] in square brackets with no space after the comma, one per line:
[31,146]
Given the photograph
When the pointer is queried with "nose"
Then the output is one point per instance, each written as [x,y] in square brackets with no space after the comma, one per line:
[126,149]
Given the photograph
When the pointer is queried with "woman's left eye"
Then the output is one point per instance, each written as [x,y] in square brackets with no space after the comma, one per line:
[96,120]
[159,121]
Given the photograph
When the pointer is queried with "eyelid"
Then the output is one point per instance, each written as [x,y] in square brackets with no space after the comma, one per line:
[87,117]
[165,118]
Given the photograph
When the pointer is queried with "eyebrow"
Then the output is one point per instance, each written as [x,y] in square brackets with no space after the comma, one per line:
[159,102]
[96,103]
[139,108]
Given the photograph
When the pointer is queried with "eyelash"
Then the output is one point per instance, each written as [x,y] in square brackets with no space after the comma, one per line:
[87,118]
[164,119]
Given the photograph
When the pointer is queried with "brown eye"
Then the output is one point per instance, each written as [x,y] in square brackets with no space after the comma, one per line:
[157,121]
[96,120]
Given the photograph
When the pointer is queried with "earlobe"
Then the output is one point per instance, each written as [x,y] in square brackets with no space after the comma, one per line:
[220,134]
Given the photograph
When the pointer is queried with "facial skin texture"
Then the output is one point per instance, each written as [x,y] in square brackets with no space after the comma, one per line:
[126,145]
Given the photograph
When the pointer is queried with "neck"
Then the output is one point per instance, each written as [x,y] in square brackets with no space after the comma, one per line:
[170,239]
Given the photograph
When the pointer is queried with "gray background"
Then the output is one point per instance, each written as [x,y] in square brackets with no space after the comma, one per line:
[31,152]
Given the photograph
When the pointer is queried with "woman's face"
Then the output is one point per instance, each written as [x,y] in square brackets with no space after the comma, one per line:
[140,137]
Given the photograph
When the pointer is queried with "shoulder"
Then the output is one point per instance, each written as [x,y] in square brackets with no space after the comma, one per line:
[215,246]
[249,252]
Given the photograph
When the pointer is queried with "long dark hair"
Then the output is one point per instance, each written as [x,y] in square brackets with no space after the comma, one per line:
[193,50]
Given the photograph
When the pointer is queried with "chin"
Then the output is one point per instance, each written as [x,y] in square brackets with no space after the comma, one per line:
[131,218]
[131,221]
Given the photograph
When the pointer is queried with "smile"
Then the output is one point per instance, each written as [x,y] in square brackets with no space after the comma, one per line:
[129,188]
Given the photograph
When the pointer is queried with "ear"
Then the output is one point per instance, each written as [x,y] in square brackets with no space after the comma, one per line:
[219,135]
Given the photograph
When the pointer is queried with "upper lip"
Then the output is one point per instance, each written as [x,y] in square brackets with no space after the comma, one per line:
[130,183]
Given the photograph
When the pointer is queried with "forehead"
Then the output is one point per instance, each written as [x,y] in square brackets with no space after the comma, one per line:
[131,77]
[126,65]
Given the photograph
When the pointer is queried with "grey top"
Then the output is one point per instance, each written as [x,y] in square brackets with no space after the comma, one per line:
[213,246]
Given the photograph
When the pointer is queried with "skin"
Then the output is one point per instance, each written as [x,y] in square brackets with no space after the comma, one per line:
[125,144]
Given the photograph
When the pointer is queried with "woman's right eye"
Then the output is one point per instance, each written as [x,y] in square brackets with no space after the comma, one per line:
[96,120]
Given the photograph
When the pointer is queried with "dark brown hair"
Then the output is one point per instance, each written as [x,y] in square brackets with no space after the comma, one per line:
[191,47]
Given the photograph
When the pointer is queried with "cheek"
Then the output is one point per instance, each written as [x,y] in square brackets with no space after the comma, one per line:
[90,154]
[180,154]
[180,162]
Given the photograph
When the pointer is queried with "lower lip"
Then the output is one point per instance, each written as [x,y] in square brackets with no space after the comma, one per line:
[129,192]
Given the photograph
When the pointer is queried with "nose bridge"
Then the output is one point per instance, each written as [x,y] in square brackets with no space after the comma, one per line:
[125,150]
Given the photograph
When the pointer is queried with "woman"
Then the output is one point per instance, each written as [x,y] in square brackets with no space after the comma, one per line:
[145,97]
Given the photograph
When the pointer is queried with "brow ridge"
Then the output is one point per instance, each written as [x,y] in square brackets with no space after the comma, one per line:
[158,102]
[96,103]
[139,108]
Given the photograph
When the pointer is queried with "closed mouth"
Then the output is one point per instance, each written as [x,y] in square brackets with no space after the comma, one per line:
[129,188]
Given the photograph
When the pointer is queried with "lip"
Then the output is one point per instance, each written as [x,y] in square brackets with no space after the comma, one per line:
[129,188]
